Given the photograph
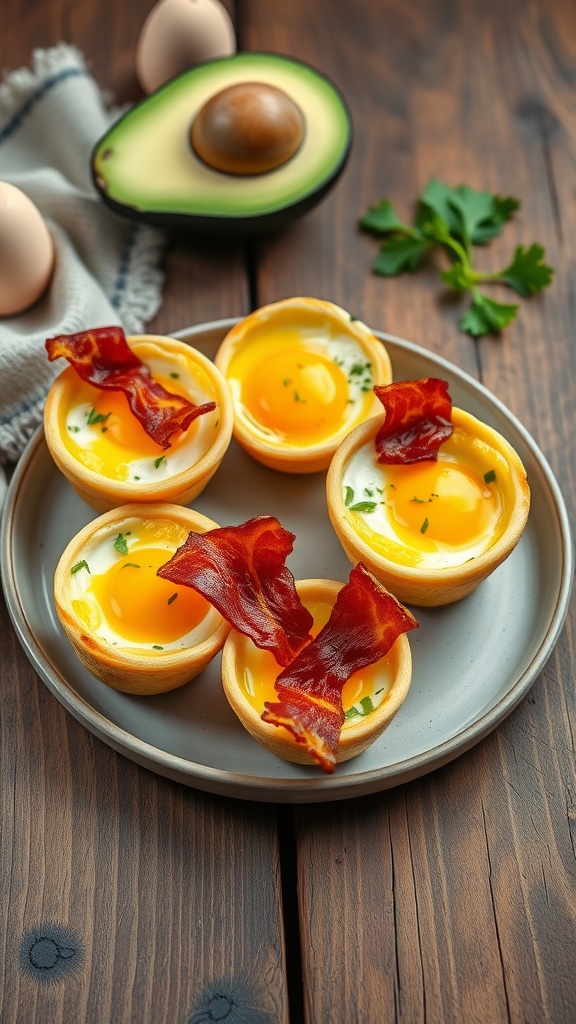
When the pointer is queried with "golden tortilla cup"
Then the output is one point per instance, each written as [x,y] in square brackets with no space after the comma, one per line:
[133,630]
[110,460]
[301,372]
[402,559]
[370,706]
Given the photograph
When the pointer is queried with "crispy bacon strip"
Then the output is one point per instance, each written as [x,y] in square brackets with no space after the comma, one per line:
[241,570]
[364,623]
[102,357]
[418,420]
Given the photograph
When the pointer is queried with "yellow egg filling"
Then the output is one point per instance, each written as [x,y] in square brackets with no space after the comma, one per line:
[364,691]
[431,513]
[100,432]
[117,594]
[298,386]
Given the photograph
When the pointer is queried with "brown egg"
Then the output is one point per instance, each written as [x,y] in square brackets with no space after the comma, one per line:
[177,35]
[26,251]
[247,128]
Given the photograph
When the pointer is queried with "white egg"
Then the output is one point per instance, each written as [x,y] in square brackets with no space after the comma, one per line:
[177,35]
[26,251]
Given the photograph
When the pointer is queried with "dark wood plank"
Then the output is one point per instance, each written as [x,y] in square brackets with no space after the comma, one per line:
[169,897]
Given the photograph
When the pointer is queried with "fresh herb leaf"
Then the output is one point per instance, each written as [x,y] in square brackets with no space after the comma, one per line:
[366,705]
[348,496]
[527,273]
[96,417]
[424,526]
[456,220]
[486,316]
[159,461]
[157,647]
[490,476]
[364,506]
[80,565]
[121,545]
[131,565]
[382,218]
[399,253]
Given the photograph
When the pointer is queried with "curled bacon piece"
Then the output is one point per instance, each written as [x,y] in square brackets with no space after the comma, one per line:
[241,570]
[364,623]
[418,420]
[102,357]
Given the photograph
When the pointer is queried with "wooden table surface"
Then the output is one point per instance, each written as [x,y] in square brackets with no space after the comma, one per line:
[450,899]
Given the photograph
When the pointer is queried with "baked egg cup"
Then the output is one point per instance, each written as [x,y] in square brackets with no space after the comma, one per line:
[301,373]
[370,697]
[408,557]
[131,629]
[105,453]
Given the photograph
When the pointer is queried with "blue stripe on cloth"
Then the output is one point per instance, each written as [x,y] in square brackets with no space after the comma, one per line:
[123,269]
[21,115]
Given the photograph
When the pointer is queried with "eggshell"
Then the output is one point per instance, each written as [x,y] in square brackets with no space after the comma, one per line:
[178,34]
[26,251]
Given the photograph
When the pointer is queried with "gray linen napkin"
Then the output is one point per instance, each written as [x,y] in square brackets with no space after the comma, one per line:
[107,270]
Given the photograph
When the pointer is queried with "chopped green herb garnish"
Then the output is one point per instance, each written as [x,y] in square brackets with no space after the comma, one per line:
[96,417]
[424,526]
[364,506]
[132,565]
[352,317]
[173,598]
[158,461]
[74,430]
[287,382]
[157,647]
[348,496]
[175,376]
[80,565]
[366,705]
[121,545]
[490,476]
[136,477]
[297,398]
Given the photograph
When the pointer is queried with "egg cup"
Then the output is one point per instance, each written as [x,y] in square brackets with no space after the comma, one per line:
[400,566]
[361,727]
[174,475]
[112,544]
[297,418]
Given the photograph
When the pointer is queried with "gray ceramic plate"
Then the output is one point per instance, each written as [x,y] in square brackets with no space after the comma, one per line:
[473,661]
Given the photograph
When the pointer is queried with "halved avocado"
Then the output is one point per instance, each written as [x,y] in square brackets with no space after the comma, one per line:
[145,166]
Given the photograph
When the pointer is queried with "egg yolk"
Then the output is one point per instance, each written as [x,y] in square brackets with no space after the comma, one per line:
[111,437]
[141,606]
[364,690]
[440,501]
[298,394]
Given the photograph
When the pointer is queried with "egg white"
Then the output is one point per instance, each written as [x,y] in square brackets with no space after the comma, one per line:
[340,349]
[367,478]
[100,555]
[183,453]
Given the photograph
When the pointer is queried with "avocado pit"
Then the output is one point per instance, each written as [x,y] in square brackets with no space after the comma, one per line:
[247,128]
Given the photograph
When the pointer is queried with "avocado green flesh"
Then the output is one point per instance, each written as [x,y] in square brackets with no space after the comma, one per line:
[145,162]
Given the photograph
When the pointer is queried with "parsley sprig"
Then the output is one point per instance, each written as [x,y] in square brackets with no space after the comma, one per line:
[456,220]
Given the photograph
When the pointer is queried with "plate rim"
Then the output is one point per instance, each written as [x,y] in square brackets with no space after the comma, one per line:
[307,790]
